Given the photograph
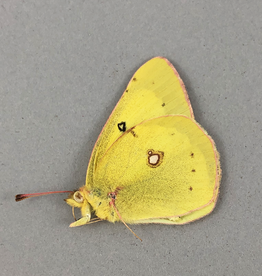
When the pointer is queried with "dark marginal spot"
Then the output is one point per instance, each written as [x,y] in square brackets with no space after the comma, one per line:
[133,133]
[122,126]
[190,188]
[126,90]
[193,171]
[134,79]
[99,203]
[192,154]
[163,104]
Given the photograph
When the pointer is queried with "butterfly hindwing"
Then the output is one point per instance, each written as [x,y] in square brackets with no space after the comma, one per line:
[166,169]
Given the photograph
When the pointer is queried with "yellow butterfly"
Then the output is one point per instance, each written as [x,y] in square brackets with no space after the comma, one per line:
[152,162]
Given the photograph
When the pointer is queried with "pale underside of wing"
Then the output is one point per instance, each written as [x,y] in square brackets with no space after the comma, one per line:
[184,219]
[155,90]
[166,170]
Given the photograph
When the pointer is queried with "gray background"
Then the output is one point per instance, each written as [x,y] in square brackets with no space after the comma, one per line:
[64,65]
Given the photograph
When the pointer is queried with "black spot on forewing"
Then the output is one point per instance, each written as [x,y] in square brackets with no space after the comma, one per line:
[192,154]
[190,188]
[193,170]
[133,133]
[134,79]
[163,104]
[122,126]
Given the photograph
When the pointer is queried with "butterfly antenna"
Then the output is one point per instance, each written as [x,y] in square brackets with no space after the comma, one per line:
[112,203]
[20,197]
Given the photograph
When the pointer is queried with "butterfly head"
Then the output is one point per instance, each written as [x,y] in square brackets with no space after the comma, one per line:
[78,199]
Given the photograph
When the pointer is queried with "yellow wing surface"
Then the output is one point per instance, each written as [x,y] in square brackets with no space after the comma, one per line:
[155,90]
[165,170]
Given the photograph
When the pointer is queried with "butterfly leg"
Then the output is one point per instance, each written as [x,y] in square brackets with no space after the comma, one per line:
[80,222]
[86,215]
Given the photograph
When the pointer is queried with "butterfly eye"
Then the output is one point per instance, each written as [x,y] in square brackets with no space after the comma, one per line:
[78,197]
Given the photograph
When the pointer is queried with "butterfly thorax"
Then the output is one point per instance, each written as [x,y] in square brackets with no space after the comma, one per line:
[93,202]
[101,202]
